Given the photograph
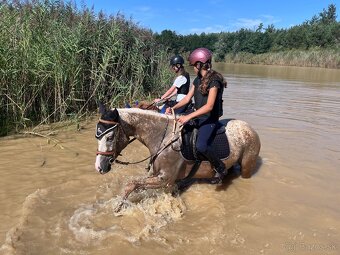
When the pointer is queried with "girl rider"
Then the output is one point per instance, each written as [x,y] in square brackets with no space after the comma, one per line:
[207,91]
[180,85]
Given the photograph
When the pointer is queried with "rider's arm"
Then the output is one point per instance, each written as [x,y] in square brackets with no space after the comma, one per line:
[204,109]
[185,99]
[178,82]
[170,92]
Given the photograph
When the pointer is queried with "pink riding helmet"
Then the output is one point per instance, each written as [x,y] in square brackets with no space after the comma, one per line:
[200,54]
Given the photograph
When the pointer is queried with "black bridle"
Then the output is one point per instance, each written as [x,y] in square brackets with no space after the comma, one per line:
[111,126]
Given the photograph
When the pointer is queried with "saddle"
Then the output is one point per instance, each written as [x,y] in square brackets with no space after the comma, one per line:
[220,144]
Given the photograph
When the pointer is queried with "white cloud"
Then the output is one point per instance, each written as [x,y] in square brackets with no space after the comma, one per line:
[231,26]
[247,23]
[208,29]
[254,23]
[269,19]
[143,9]
[142,14]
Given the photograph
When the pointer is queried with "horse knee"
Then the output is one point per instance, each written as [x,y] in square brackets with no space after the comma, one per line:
[129,189]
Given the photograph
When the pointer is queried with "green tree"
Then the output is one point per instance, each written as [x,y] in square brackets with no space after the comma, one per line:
[328,16]
[169,39]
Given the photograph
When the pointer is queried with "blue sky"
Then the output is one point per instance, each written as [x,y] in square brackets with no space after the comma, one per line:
[188,17]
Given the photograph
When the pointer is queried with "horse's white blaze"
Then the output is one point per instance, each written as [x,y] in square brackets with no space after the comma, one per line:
[103,146]
[97,163]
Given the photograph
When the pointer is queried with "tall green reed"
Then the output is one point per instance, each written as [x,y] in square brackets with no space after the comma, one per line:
[57,62]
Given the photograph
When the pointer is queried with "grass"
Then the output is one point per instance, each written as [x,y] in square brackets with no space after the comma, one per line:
[58,61]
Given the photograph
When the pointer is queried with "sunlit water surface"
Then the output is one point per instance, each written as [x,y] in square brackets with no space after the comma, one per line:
[53,201]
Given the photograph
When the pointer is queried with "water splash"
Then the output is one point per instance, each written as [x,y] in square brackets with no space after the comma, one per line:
[93,223]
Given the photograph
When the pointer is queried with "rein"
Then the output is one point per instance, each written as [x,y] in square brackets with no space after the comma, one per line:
[170,142]
[151,156]
[160,102]
[160,149]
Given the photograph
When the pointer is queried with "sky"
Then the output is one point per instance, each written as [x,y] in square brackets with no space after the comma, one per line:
[211,16]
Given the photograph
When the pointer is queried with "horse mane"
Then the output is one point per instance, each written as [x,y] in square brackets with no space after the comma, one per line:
[130,112]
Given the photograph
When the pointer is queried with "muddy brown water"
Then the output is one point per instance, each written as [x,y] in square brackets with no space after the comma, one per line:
[52,201]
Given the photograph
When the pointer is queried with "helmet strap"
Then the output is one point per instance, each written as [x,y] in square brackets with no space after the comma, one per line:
[206,66]
[199,66]
[178,67]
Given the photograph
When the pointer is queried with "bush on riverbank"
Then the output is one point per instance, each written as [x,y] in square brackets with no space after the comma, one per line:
[327,58]
[57,62]
[316,42]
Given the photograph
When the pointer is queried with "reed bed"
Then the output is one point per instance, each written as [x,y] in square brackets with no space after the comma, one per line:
[325,58]
[58,61]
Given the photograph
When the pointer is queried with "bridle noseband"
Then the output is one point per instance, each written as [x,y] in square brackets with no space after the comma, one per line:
[114,125]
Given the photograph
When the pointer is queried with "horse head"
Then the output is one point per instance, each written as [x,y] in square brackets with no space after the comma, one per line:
[111,138]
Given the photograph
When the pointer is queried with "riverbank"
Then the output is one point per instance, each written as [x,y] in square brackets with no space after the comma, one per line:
[325,58]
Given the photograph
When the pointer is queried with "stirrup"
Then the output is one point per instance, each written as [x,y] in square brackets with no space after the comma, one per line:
[216,180]
[219,176]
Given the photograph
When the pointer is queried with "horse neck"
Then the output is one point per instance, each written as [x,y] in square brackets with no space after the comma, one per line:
[150,128]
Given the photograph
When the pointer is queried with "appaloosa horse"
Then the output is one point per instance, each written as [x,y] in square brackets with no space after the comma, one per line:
[159,133]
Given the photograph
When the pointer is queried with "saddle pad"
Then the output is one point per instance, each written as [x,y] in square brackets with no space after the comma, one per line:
[220,146]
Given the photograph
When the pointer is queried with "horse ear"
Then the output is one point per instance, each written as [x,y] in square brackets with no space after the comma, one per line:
[115,114]
[102,108]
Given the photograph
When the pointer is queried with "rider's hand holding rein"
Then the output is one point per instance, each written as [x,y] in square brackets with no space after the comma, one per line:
[180,86]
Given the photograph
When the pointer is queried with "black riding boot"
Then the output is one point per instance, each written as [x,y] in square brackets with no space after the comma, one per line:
[218,165]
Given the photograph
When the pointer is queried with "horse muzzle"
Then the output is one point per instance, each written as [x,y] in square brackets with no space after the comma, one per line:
[104,162]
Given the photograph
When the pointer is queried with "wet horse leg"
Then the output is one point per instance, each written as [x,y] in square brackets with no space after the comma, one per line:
[154,182]
[248,164]
[146,183]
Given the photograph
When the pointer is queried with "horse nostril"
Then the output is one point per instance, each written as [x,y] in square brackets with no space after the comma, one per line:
[101,171]
[111,160]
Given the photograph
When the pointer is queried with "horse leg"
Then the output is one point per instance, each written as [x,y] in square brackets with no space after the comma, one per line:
[248,164]
[184,184]
[146,183]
